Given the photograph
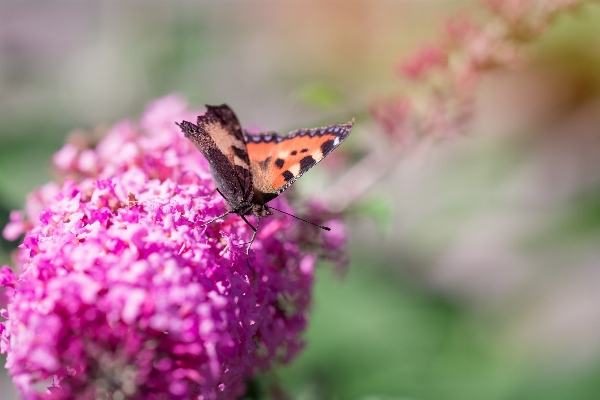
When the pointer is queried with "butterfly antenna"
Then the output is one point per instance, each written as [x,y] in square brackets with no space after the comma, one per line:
[308,222]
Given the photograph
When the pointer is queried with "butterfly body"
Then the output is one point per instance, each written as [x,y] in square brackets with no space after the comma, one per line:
[249,170]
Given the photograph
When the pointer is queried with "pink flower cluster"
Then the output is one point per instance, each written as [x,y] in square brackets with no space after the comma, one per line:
[122,292]
[449,69]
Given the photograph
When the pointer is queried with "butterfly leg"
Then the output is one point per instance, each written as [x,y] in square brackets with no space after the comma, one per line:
[222,215]
[253,235]
[214,219]
[206,196]
[211,194]
[217,190]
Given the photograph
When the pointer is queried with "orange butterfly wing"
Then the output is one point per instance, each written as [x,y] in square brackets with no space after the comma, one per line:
[278,161]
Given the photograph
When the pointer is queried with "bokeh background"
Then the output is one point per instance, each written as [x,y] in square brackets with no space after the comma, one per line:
[475,261]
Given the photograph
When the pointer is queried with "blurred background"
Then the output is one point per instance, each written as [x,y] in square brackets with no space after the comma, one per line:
[475,261]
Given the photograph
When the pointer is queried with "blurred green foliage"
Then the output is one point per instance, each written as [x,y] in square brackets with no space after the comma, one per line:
[321,95]
[380,209]
[578,225]
[373,336]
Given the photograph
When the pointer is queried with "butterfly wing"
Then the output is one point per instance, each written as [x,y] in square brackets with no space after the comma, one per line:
[218,135]
[278,161]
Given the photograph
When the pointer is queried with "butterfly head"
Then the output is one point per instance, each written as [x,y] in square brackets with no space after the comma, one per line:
[260,211]
[254,209]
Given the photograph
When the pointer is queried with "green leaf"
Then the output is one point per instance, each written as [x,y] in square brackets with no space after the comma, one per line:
[320,95]
[380,209]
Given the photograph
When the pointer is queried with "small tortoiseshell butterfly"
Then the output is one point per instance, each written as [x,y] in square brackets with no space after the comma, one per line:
[250,170]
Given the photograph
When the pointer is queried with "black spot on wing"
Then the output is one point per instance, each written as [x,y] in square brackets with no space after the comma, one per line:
[326,147]
[287,175]
[306,163]
[303,150]
[262,197]
[294,153]
[265,164]
[279,163]
[241,153]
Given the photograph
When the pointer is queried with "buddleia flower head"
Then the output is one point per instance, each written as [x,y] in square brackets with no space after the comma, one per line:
[119,290]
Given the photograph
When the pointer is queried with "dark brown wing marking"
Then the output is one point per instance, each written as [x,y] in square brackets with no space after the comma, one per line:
[218,136]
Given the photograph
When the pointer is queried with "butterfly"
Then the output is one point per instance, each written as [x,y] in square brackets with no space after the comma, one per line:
[249,170]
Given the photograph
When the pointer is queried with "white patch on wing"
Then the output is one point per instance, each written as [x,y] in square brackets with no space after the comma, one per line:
[336,141]
[295,169]
[283,154]
[317,155]
[225,140]
[240,162]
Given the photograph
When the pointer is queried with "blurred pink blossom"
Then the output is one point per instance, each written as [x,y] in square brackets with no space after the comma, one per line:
[447,72]
[15,226]
[392,114]
[121,291]
[423,62]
